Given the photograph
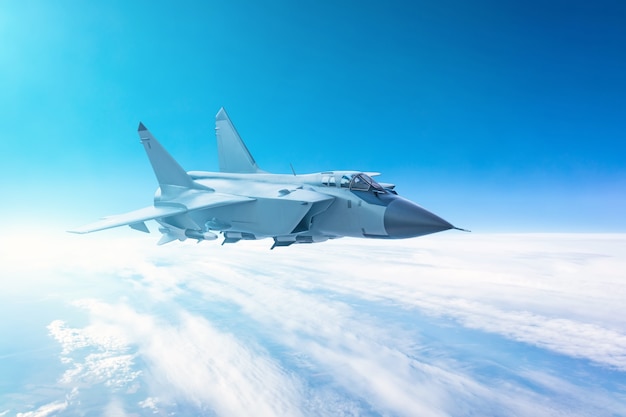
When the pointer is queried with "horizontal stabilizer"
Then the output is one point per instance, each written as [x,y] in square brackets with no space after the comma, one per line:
[131,218]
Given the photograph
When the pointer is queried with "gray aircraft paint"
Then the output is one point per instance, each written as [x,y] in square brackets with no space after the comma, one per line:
[242,202]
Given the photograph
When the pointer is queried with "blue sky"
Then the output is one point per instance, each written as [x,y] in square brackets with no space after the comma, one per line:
[499,116]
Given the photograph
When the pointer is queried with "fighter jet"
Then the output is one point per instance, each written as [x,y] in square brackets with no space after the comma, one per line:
[242,202]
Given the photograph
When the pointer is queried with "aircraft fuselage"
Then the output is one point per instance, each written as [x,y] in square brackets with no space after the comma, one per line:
[243,202]
[277,209]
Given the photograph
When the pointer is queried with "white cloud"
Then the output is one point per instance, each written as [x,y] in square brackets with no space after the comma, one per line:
[568,337]
[595,401]
[573,283]
[46,410]
[269,288]
[150,403]
[115,408]
[193,360]
[317,306]
[356,354]
[109,364]
[365,359]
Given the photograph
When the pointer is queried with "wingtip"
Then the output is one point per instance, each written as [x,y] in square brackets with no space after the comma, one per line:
[141,127]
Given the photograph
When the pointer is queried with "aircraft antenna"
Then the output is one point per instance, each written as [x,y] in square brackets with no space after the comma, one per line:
[292,170]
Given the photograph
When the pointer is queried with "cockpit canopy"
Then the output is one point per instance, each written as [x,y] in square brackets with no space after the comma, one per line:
[363,182]
[355,182]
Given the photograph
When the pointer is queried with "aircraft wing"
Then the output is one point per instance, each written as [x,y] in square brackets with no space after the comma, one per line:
[135,219]
[196,200]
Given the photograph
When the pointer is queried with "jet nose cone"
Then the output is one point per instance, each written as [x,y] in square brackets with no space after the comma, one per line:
[404,218]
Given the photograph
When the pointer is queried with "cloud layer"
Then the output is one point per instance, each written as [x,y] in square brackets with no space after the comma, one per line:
[440,326]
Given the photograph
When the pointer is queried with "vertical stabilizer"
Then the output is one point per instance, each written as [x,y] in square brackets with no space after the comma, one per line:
[232,152]
[166,169]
